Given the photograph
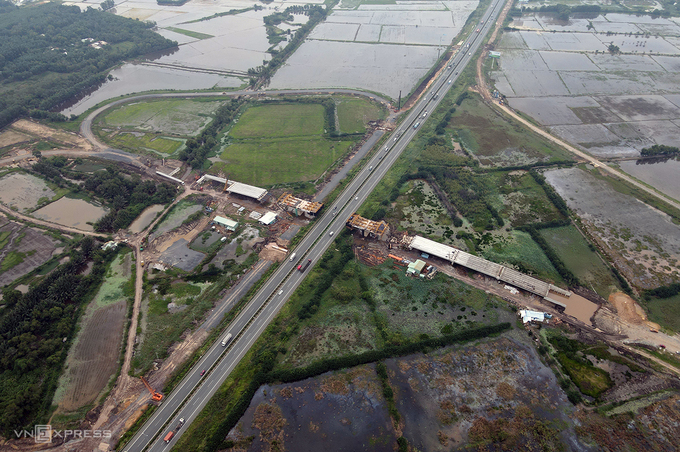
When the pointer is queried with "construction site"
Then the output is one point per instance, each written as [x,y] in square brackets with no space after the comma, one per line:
[422,257]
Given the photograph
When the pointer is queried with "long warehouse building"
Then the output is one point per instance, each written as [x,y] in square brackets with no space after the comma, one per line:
[481,265]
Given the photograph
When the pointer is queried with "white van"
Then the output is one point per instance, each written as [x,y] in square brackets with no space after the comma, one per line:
[292,256]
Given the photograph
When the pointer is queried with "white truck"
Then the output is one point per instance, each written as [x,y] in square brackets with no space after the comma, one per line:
[292,256]
[226,340]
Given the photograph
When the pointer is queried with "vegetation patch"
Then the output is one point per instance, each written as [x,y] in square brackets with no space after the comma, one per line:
[354,114]
[192,34]
[51,59]
[581,258]
[498,141]
[282,142]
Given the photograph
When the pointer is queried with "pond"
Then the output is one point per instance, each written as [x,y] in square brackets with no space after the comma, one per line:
[75,213]
[145,218]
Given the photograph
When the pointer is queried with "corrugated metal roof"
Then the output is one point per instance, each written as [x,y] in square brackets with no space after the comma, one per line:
[268,218]
[247,190]
[228,222]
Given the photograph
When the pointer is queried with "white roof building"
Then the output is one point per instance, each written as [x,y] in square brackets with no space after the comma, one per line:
[531,316]
[268,218]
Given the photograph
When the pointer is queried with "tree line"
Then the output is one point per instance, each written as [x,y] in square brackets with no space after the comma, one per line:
[659,149]
[36,330]
[198,149]
[46,57]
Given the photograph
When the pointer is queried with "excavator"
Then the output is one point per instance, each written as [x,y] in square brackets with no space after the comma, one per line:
[155,396]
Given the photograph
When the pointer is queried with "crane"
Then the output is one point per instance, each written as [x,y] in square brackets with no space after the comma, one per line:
[155,396]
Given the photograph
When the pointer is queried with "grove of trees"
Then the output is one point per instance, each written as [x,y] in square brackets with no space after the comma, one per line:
[46,57]
[36,329]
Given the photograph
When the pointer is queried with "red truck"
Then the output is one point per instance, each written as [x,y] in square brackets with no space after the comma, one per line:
[303,267]
[169,436]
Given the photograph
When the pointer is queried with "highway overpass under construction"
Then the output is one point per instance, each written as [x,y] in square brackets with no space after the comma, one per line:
[481,265]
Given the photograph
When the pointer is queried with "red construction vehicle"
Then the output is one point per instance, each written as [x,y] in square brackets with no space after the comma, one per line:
[155,396]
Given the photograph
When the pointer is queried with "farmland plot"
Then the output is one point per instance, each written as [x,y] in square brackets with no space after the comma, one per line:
[641,241]
[610,105]
[363,47]
[93,358]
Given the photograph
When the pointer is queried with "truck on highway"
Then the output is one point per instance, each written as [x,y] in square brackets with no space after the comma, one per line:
[292,256]
[226,340]
[415,126]
[169,436]
[303,267]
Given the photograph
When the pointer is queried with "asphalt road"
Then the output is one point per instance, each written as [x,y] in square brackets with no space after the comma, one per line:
[194,391]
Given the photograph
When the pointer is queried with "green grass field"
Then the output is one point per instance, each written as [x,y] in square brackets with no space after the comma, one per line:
[520,250]
[354,114]
[149,142]
[664,311]
[573,249]
[268,162]
[280,120]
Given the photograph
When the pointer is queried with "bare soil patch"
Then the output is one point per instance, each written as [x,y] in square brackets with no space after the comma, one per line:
[10,137]
[629,310]
[48,133]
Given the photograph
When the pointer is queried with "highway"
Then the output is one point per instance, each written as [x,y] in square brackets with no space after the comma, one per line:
[194,391]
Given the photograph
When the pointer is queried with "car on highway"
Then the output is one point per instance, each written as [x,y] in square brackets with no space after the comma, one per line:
[424,114]
[280,291]
[449,81]
[202,372]
[331,234]
[356,199]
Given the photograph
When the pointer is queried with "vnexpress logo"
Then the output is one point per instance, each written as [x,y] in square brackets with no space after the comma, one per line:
[42,434]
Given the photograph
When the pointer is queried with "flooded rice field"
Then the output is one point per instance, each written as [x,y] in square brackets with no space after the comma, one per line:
[75,213]
[642,242]
[227,45]
[137,78]
[562,75]
[145,218]
[661,174]
[23,191]
[356,48]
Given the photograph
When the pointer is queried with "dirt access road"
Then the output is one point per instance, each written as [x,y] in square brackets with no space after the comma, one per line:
[485,93]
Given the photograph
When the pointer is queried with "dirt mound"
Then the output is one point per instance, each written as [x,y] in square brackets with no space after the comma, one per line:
[629,311]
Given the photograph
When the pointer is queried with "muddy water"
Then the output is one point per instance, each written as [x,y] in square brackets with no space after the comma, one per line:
[71,212]
[145,218]
[577,306]
[661,174]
